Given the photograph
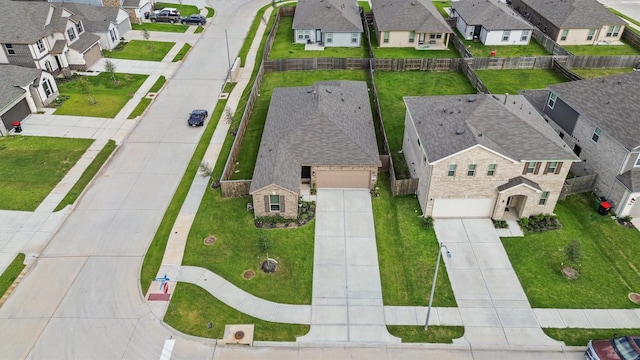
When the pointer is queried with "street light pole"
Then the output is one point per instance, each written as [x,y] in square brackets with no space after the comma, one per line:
[433,286]
[226,38]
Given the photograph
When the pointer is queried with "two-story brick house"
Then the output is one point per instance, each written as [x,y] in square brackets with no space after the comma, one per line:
[483,155]
[44,36]
[599,119]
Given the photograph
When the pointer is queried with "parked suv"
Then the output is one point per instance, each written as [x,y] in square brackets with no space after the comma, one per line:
[165,15]
[618,348]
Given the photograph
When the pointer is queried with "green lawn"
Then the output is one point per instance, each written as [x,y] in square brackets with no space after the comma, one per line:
[409,53]
[609,270]
[365,6]
[512,81]
[284,48]
[87,175]
[141,50]
[435,334]
[393,86]
[580,337]
[111,97]
[145,102]
[11,273]
[602,50]
[479,50]
[251,141]
[182,53]
[160,27]
[595,73]
[210,12]
[407,252]
[32,166]
[192,308]
[441,5]
[185,10]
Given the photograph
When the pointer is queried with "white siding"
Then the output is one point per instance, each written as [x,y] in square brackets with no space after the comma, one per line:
[495,37]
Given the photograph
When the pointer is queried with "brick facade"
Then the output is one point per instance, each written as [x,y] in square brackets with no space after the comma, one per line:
[288,198]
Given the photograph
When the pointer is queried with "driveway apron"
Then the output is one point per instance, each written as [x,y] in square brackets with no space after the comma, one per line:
[347,293]
[493,306]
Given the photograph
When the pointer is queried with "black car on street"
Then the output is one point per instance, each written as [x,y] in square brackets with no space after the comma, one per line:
[195,19]
[196,118]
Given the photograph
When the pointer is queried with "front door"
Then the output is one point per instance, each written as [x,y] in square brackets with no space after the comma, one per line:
[421,38]
[306,174]
[318,35]
[476,32]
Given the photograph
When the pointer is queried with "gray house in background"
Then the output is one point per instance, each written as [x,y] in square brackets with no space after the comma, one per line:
[319,136]
[490,21]
[23,91]
[328,22]
[600,120]
[109,23]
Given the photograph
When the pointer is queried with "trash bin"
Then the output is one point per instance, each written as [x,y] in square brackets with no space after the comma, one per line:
[17,127]
[604,208]
[146,15]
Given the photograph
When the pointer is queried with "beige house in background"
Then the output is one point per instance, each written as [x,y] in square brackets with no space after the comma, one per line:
[319,136]
[415,23]
[572,22]
[483,156]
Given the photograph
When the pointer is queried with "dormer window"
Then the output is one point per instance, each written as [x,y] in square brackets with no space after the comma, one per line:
[596,134]
[40,45]
[71,33]
[79,28]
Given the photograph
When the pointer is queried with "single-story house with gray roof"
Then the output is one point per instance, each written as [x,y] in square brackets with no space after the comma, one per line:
[483,156]
[332,23]
[490,21]
[572,22]
[23,91]
[598,119]
[415,23]
[321,136]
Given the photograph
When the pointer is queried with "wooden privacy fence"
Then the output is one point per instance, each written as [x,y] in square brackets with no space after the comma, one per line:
[548,43]
[568,74]
[421,64]
[316,64]
[591,62]
[473,78]
[577,185]
[500,63]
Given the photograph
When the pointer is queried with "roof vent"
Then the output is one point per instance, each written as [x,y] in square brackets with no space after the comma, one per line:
[328,90]
[471,99]
[459,131]
[309,91]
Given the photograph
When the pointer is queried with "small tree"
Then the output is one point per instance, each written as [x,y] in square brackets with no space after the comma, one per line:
[228,115]
[147,36]
[264,243]
[110,68]
[85,87]
[574,252]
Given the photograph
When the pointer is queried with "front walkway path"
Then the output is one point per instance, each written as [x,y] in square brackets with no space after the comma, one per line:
[347,294]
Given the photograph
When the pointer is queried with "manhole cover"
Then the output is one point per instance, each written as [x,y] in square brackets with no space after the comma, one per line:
[248,274]
[210,240]
[239,335]
[635,297]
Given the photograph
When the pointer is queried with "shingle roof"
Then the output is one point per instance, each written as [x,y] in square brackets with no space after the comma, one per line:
[85,42]
[491,14]
[450,124]
[569,14]
[94,18]
[519,180]
[329,123]
[13,76]
[420,16]
[630,179]
[327,15]
[131,4]
[608,103]
[23,22]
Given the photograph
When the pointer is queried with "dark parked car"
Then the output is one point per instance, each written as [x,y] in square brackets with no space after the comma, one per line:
[618,348]
[195,19]
[197,117]
[165,15]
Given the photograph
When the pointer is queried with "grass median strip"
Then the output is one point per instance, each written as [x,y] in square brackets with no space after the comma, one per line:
[146,101]
[11,273]
[435,334]
[88,174]
[580,337]
[182,53]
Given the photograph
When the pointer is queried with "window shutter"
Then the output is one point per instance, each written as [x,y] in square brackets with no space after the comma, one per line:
[558,168]
[281,203]
[524,170]
[535,172]
[546,168]
[266,204]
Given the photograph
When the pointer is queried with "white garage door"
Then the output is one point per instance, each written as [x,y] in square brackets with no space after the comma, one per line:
[343,179]
[462,208]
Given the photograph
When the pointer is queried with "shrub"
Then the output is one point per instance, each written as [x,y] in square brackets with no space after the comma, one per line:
[574,252]
[264,243]
[427,222]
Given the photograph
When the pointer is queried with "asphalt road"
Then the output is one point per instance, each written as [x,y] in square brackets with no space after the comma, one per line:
[630,8]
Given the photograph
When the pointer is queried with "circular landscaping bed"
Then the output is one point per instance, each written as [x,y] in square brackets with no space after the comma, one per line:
[210,240]
[248,274]
[635,298]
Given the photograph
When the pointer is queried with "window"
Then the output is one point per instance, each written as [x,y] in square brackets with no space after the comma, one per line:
[71,33]
[561,135]
[79,27]
[354,38]
[40,45]
[472,170]
[505,35]
[419,142]
[328,38]
[577,150]
[10,49]
[452,170]
[525,35]
[385,37]
[424,159]
[637,162]
[112,32]
[412,36]
[438,36]
[592,32]
[551,167]
[432,36]
[613,31]
[564,34]
[274,202]
[543,198]
[531,167]
[47,65]
[552,100]
[492,170]
[47,87]
[596,134]
[304,34]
